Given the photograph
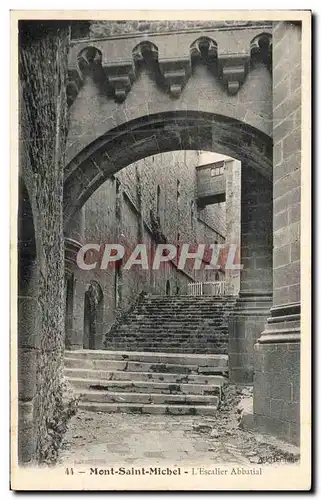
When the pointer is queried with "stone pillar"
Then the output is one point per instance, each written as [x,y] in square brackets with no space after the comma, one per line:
[252,307]
[277,353]
[233,220]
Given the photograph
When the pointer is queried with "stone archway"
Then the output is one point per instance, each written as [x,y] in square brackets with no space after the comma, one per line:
[153,134]
[93,317]
[171,131]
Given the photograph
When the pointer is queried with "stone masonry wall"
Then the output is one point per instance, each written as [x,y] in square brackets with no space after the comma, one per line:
[101,29]
[43,107]
[277,375]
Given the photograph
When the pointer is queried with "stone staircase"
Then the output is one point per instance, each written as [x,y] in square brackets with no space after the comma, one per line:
[147,382]
[180,324]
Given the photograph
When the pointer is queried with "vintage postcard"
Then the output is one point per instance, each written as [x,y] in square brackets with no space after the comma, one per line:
[160,265]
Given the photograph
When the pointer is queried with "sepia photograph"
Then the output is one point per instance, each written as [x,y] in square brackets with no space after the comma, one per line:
[160,287]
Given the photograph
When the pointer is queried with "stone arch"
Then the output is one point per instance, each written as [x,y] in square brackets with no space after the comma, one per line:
[93,316]
[204,48]
[145,52]
[261,50]
[158,133]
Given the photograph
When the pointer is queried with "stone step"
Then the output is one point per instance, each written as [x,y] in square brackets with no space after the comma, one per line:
[179,327]
[145,345]
[133,366]
[158,409]
[104,376]
[169,336]
[130,386]
[151,357]
[176,349]
[145,398]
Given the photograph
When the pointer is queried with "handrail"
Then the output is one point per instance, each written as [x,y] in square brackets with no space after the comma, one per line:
[216,288]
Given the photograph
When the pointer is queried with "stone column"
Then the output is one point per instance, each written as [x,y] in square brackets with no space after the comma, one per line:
[254,301]
[277,353]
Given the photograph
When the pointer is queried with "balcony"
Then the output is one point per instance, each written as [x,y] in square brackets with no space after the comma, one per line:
[211,183]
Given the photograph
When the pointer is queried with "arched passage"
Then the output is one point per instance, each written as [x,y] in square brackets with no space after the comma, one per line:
[196,130]
[153,134]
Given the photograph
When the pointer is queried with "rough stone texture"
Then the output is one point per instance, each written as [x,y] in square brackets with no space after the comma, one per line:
[247,320]
[101,29]
[42,408]
[277,372]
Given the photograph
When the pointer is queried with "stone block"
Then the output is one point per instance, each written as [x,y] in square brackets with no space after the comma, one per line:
[26,441]
[293,293]
[262,404]
[280,220]
[28,332]
[242,375]
[269,425]
[285,410]
[278,381]
[281,256]
[287,275]
[27,373]
[277,153]
[292,143]
[294,433]
[288,106]
[294,213]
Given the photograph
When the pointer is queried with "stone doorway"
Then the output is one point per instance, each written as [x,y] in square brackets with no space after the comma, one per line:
[93,317]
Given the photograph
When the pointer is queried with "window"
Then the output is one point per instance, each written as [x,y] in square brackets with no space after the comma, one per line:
[178,191]
[217,170]
[192,214]
[158,201]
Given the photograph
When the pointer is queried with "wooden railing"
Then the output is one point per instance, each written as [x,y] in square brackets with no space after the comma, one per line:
[216,288]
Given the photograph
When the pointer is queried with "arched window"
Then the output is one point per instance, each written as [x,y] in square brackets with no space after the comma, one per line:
[192,214]
[93,317]
[217,276]
[158,200]
[178,191]
[168,288]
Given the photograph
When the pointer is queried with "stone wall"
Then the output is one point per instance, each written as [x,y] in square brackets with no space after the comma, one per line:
[101,29]
[277,375]
[43,129]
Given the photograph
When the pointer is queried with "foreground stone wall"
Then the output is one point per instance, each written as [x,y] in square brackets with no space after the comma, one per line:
[43,129]
[277,370]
